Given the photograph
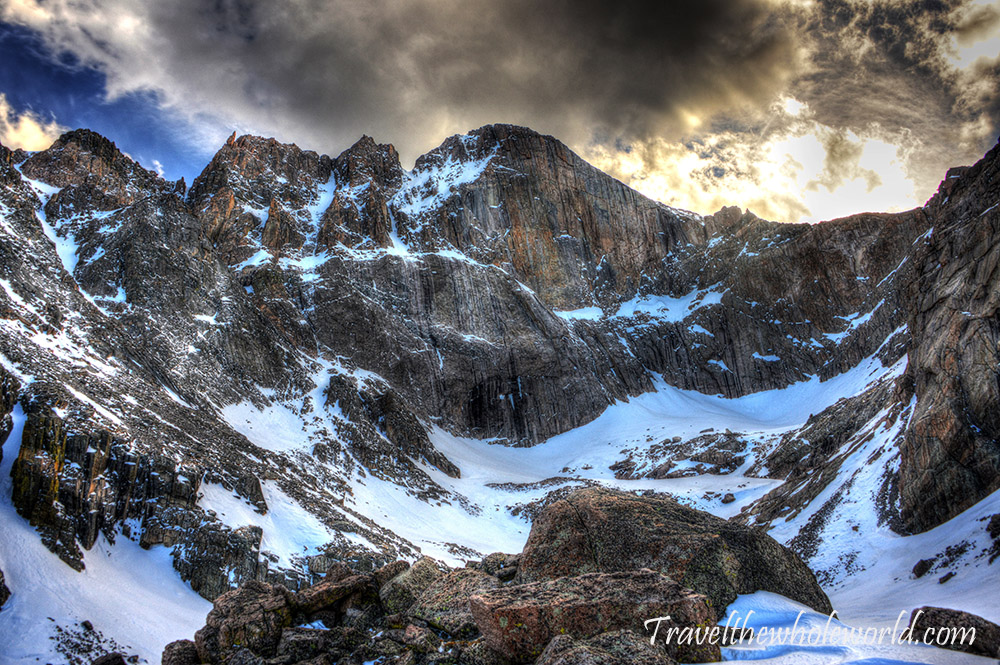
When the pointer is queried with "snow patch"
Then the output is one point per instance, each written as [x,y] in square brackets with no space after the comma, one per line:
[427,189]
[289,530]
[130,594]
[585,313]
[669,308]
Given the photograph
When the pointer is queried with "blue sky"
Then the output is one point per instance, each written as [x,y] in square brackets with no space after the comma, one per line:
[58,88]
[800,110]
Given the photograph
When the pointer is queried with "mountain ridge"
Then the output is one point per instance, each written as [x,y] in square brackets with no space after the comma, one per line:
[298,329]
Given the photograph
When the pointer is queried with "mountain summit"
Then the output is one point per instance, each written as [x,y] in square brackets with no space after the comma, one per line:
[306,360]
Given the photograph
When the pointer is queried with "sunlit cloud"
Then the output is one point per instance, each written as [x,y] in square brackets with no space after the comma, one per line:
[412,73]
[801,172]
[978,34]
[797,109]
[26,130]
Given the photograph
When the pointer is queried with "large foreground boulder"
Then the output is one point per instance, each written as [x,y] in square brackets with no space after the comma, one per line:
[621,647]
[251,617]
[955,630]
[518,621]
[400,592]
[445,603]
[603,530]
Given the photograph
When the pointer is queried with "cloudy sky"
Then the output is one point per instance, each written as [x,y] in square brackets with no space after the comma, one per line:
[800,110]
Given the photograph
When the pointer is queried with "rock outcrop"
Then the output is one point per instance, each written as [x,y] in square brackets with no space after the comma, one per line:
[92,175]
[181,652]
[519,621]
[402,591]
[601,530]
[4,591]
[503,290]
[951,456]
[955,630]
[251,617]
[426,613]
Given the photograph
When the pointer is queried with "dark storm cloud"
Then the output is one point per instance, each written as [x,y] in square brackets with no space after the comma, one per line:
[692,95]
[629,68]
[879,60]
[411,71]
[978,23]
[888,63]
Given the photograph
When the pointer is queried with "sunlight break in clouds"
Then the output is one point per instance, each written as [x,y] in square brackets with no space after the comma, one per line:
[800,110]
[801,171]
[26,130]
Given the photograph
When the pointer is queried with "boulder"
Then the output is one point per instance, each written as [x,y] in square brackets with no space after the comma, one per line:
[948,629]
[332,593]
[400,592]
[389,571]
[602,530]
[420,639]
[303,644]
[500,565]
[445,603]
[350,601]
[181,652]
[110,659]
[622,647]
[4,591]
[923,566]
[518,621]
[251,617]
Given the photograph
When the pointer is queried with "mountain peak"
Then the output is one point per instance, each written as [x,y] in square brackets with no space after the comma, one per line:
[84,156]
[248,162]
[514,141]
[88,140]
[368,160]
[301,333]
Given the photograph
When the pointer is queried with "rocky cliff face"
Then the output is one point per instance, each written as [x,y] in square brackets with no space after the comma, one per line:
[410,257]
[951,448]
[298,329]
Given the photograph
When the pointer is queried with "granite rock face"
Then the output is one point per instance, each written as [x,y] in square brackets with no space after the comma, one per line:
[519,621]
[601,530]
[951,455]
[92,174]
[955,630]
[502,289]
[505,208]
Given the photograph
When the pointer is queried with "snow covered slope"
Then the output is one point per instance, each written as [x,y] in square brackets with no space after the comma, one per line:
[309,360]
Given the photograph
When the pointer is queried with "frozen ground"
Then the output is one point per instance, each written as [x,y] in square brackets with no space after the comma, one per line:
[803,637]
[130,595]
[135,597]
